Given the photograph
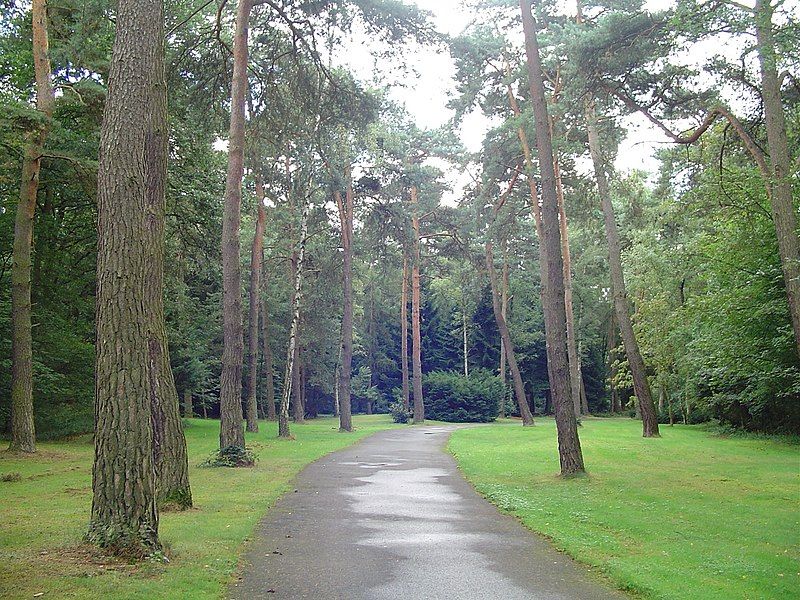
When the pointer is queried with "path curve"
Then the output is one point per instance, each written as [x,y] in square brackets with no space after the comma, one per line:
[392,517]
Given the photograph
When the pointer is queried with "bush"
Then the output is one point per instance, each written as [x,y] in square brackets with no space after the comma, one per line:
[449,396]
[400,414]
[232,456]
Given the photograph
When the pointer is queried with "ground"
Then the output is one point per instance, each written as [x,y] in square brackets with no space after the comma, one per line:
[689,515]
[44,515]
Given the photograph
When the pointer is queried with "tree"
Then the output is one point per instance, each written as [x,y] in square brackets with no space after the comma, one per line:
[256,257]
[569,448]
[23,433]
[130,336]
[416,341]
[345,206]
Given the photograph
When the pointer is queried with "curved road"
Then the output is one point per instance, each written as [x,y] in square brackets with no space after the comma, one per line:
[392,517]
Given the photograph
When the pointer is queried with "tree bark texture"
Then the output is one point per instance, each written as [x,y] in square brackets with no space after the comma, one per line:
[256,267]
[231,427]
[404,334]
[508,346]
[621,305]
[784,211]
[345,206]
[569,447]
[23,433]
[416,338]
[283,415]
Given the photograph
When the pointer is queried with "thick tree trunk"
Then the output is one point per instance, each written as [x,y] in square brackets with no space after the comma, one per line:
[268,381]
[621,306]
[188,410]
[508,346]
[283,415]
[23,434]
[256,267]
[346,216]
[231,428]
[784,210]
[569,448]
[404,334]
[133,403]
[416,338]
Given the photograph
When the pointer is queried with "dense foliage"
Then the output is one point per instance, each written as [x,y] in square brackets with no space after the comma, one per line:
[450,396]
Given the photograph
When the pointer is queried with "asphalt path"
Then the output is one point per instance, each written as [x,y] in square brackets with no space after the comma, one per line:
[392,517]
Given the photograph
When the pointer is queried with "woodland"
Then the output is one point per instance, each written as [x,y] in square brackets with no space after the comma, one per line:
[211,220]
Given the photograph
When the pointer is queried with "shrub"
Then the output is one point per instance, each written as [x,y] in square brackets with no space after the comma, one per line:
[232,456]
[449,396]
[400,414]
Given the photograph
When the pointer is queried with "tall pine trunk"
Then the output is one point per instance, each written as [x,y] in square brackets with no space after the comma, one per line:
[230,412]
[404,334]
[256,266]
[504,314]
[283,414]
[416,338]
[569,447]
[346,216]
[23,433]
[508,346]
[130,351]
[641,386]
[784,210]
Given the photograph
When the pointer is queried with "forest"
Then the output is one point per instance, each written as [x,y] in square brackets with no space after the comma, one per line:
[215,218]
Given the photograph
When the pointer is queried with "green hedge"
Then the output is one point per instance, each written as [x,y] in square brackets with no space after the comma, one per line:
[450,396]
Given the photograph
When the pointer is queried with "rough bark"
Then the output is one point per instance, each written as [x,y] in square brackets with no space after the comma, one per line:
[283,415]
[130,367]
[569,448]
[508,345]
[784,211]
[231,427]
[256,267]
[641,385]
[404,334]
[23,434]
[416,339]
[268,381]
[345,206]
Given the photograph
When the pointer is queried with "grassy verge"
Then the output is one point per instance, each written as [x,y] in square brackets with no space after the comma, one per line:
[685,516]
[44,515]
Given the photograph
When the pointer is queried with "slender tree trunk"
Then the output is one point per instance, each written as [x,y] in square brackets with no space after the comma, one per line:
[621,306]
[346,216]
[416,338]
[298,410]
[188,411]
[784,209]
[504,313]
[508,346]
[569,447]
[268,375]
[572,344]
[466,342]
[256,266]
[231,428]
[404,333]
[131,400]
[283,415]
[23,434]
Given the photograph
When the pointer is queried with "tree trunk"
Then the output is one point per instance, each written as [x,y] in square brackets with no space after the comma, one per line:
[404,333]
[621,306]
[23,434]
[416,338]
[131,398]
[188,410]
[466,342]
[504,313]
[346,216]
[283,415]
[256,266]
[508,346]
[231,428]
[298,410]
[268,381]
[784,209]
[569,447]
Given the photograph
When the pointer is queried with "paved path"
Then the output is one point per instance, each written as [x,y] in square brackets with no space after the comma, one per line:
[392,518]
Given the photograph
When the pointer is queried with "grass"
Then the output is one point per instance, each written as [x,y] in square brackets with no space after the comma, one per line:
[44,512]
[685,516]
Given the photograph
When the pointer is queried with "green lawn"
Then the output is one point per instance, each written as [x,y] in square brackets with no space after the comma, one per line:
[685,516]
[44,515]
